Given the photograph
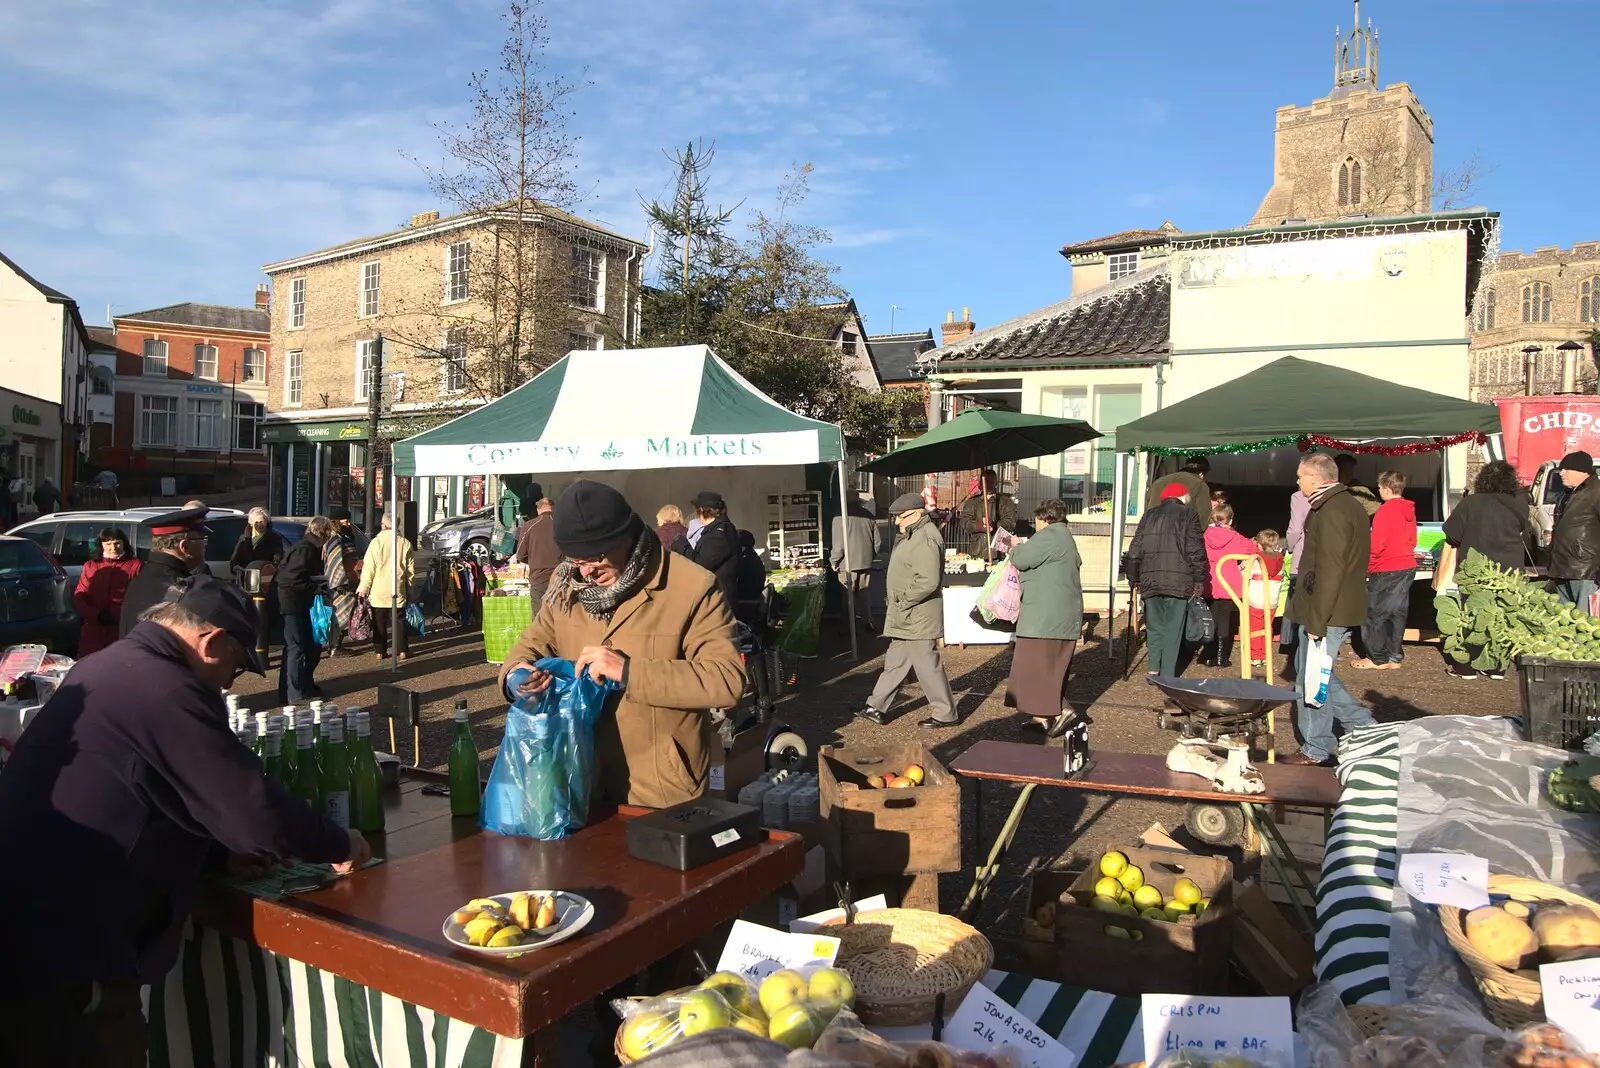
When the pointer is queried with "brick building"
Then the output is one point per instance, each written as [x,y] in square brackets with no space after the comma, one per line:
[444,293]
[1538,300]
[189,389]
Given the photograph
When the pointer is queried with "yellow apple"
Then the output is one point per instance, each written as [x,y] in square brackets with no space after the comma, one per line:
[831,985]
[1112,863]
[1147,897]
[795,1025]
[779,989]
[915,773]
[734,990]
[644,1032]
[703,1010]
[751,1024]
[1186,891]
[1108,887]
[1131,878]
[877,782]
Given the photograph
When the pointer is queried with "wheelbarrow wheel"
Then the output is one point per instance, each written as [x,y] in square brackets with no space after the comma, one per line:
[1218,825]
[787,749]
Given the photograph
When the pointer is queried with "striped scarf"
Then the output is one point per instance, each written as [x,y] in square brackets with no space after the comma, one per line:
[567,585]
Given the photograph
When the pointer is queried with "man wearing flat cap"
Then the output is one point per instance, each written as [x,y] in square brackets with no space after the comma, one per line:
[1575,539]
[715,545]
[177,550]
[913,617]
[650,620]
[122,788]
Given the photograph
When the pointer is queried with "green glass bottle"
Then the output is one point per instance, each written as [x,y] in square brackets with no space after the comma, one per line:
[272,757]
[335,782]
[306,784]
[316,729]
[263,727]
[466,795]
[286,725]
[366,781]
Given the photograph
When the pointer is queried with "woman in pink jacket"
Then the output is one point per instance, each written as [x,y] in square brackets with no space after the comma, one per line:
[1222,540]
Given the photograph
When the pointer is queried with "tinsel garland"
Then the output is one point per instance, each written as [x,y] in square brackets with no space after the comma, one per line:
[1307,442]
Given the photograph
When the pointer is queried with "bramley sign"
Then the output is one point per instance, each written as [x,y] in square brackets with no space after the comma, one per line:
[620,454]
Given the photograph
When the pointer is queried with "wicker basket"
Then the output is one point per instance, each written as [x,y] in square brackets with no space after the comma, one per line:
[1513,1001]
[901,960]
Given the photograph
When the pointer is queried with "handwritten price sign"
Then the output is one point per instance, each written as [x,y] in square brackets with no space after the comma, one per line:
[1572,998]
[756,952]
[985,1022]
[1458,879]
[1174,1023]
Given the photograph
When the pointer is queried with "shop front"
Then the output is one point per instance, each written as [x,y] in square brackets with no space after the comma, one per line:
[30,441]
[316,466]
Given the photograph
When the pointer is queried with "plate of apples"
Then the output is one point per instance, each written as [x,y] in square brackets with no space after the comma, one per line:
[506,925]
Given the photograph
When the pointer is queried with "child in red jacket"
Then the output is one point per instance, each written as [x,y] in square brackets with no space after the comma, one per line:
[1390,571]
[1264,589]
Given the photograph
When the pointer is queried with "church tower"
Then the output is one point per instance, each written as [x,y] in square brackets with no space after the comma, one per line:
[1360,150]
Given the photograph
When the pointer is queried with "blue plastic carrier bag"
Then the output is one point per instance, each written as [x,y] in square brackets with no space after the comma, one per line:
[539,787]
[321,619]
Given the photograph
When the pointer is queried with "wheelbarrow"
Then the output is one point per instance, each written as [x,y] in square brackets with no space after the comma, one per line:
[1210,708]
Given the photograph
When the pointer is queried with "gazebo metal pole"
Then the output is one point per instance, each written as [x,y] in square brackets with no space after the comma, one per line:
[1119,510]
[850,580]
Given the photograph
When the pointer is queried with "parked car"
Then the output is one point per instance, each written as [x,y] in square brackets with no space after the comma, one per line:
[459,535]
[73,538]
[35,598]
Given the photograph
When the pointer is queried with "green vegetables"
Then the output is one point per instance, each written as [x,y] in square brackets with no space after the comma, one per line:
[1571,786]
[1496,616]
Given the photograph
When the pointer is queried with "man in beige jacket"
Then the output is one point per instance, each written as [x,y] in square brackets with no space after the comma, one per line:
[654,622]
[379,588]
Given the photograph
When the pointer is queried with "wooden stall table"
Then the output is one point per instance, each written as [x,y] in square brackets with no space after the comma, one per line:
[361,973]
[1141,775]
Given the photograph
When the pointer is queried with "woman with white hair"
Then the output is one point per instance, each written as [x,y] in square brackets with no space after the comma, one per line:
[259,544]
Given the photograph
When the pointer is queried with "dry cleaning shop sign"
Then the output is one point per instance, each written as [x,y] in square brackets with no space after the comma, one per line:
[688,450]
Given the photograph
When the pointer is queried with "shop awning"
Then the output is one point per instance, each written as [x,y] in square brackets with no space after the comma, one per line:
[1291,397]
[623,410]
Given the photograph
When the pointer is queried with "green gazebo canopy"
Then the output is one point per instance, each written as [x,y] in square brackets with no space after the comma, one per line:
[1291,397]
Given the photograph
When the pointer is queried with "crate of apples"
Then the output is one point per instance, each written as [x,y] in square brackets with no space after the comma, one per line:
[912,775]
[1122,889]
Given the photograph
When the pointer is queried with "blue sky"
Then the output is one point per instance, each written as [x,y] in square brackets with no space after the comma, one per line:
[160,152]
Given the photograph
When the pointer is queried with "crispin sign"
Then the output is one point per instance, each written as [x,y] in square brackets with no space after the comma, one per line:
[1537,429]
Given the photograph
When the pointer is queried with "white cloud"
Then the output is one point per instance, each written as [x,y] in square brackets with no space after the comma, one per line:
[171,149]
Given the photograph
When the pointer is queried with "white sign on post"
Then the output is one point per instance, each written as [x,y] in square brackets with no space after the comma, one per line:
[1572,998]
[1174,1023]
[1458,879]
[805,924]
[984,1022]
[755,952]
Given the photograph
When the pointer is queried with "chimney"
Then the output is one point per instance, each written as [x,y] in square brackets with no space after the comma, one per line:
[424,218]
[956,331]
[263,297]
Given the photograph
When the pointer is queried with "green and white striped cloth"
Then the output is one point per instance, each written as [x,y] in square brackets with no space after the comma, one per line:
[1359,866]
[1103,1029]
[228,1004]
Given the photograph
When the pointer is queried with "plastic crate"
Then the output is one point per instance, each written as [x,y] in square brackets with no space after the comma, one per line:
[1560,700]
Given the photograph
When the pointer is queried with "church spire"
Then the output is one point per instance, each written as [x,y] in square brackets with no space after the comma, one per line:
[1355,56]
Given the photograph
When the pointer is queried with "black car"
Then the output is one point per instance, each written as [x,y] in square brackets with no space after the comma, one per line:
[35,598]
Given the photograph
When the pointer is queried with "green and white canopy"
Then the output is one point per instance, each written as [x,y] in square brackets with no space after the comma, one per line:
[623,410]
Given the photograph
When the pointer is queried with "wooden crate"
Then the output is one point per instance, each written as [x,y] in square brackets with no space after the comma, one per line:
[1045,886]
[1187,957]
[888,832]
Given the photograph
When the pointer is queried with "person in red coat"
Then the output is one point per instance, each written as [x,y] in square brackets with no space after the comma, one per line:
[100,591]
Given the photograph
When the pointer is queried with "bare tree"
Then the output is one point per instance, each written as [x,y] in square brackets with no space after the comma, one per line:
[1455,187]
[509,168]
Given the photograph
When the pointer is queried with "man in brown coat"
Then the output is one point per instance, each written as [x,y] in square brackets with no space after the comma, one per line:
[536,547]
[651,620]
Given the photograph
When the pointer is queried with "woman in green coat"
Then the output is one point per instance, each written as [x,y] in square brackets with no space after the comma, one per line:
[1049,623]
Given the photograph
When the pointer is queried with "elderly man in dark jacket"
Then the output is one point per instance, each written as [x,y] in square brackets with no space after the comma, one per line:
[1192,477]
[177,550]
[115,799]
[1575,540]
[1167,562]
[1329,600]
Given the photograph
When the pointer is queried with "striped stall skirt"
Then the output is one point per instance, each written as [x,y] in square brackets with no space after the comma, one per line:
[228,1003]
[1359,867]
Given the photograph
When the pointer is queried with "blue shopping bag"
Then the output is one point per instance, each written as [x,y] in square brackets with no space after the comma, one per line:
[321,619]
[415,621]
[539,786]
